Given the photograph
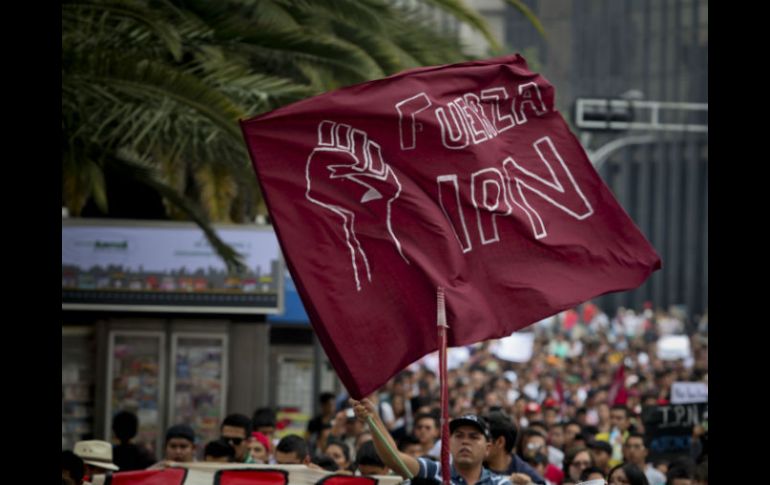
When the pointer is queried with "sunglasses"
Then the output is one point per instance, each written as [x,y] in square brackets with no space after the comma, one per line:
[234,441]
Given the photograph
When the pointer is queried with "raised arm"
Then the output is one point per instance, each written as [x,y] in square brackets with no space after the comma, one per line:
[364,409]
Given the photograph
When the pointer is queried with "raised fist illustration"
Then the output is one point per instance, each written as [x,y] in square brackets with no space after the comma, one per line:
[347,175]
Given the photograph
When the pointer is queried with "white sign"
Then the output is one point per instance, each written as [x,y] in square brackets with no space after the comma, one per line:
[689,392]
[455,358]
[516,348]
[674,347]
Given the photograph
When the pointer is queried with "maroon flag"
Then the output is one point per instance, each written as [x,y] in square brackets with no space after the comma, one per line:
[460,176]
[618,393]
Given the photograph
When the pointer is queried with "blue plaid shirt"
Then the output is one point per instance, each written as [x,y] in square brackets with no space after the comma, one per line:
[432,469]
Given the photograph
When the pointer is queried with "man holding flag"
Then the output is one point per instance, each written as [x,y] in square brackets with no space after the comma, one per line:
[469,445]
[463,177]
[460,185]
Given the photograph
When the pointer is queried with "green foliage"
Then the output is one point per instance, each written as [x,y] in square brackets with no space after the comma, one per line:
[153,89]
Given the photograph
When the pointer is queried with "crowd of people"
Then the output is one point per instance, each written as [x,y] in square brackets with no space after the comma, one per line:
[571,413]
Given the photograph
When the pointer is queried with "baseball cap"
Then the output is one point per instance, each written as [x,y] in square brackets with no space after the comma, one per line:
[180,431]
[470,420]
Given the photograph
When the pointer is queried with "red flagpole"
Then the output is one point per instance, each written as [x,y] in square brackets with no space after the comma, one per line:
[442,338]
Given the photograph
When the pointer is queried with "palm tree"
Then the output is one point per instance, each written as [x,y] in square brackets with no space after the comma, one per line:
[152,89]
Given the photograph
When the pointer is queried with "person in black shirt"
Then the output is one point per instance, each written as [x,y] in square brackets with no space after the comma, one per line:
[126,455]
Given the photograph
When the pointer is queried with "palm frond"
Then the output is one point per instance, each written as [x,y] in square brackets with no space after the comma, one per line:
[155,88]
[368,15]
[136,11]
[152,81]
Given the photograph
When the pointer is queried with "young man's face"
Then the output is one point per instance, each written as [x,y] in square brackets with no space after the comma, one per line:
[414,450]
[327,407]
[468,446]
[634,451]
[179,449]
[618,419]
[496,448]
[601,458]
[237,438]
[570,431]
[426,431]
[556,437]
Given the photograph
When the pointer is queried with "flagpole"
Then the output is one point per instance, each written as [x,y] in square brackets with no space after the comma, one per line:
[442,329]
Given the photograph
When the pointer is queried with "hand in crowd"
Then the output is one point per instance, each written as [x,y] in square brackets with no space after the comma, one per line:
[520,479]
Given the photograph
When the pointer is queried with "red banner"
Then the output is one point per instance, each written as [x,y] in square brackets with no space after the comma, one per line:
[460,176]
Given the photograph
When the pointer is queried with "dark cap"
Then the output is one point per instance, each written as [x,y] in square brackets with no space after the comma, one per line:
[181,431]
[470,420]
[600,446]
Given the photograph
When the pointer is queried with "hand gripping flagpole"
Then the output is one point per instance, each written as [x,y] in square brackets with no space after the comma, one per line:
[442,338]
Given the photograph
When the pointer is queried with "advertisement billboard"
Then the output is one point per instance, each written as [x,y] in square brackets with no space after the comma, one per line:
[150,266]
